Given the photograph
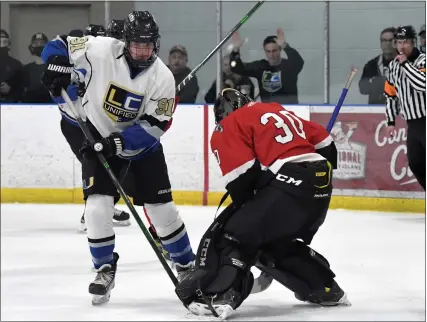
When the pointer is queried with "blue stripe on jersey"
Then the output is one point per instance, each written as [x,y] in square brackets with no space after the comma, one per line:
[72,91]
[54,48]
[180,251]
[143,153]
[67,118]
[102,255]
[81,70]
[135,138]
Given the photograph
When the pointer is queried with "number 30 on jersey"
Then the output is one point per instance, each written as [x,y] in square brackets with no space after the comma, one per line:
[281,124]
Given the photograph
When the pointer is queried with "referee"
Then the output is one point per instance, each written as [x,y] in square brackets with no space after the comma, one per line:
[405,91]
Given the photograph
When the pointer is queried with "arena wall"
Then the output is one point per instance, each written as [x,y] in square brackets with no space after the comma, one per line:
[37,165]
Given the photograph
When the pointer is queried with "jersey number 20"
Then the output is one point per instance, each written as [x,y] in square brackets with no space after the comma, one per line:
[281,123]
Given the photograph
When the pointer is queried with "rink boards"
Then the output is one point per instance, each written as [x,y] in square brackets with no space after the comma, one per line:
[38,166]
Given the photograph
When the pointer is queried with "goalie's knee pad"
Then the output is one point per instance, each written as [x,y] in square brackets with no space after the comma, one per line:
[171,231]
[220,267]
[299,268]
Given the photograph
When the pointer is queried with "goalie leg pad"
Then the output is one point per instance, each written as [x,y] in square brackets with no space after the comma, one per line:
[298,267]
[221,266]
[230,271]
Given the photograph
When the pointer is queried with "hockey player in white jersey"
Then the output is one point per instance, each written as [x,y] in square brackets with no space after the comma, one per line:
[74,135]
[129,102]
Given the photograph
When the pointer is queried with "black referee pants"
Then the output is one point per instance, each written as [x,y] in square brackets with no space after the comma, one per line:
[416,144]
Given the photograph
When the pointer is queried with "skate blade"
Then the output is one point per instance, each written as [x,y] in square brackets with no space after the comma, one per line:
[342,302]
[121,223]
[100,299]
[201,309]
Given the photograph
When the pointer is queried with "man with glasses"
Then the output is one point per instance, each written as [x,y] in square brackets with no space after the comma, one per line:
[376,70]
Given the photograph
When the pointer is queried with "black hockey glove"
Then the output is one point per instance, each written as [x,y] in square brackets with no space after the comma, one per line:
[57,74]
[109,146]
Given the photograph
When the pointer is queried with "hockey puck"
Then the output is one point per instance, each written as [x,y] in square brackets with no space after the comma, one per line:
[98,147]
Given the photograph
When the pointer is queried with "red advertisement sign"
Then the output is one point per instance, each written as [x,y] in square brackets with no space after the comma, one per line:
[367,157]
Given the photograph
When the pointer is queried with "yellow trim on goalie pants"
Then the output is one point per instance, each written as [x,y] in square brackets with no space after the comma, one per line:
[195,198]
[329,176]
[355,203]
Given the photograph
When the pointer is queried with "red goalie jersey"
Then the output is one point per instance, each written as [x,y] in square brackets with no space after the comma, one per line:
[266,133]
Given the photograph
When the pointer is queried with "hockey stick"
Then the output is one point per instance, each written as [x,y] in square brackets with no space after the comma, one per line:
[228,36]
[118,186]
[341,99]
[264,280]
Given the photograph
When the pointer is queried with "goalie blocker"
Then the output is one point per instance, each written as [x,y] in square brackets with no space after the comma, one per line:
[278,169]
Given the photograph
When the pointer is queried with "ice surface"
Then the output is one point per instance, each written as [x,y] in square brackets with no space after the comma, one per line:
[379,260]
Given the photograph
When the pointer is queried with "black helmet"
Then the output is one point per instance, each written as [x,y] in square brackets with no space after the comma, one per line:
[115,29]
[37,43]
[405,32]
[228,101]
[94,30]
[141,27]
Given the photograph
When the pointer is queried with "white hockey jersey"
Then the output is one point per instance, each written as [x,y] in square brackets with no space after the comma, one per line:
[140,108]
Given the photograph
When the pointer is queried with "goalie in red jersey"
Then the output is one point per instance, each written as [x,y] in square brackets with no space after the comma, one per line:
[278,170]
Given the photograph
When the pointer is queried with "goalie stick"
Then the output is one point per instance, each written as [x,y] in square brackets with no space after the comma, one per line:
[264,281]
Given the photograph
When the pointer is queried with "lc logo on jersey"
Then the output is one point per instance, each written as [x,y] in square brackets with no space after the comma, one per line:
[271,81]
[121,104]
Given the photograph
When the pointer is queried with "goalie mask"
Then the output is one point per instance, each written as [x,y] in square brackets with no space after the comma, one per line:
[141,36]
[227,102]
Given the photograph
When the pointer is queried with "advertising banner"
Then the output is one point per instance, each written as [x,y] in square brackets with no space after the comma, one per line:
[368,158]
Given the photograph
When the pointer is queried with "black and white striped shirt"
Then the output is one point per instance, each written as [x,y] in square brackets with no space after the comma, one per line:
[405,89]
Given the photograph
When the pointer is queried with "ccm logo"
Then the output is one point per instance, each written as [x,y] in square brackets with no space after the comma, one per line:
[204,251]
[283,178]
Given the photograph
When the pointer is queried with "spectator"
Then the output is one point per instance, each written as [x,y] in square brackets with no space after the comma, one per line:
[277,77]
[178,59]
[11,72]
[76,33]
[376,70]
[35,92]
[230,80]
[422,35]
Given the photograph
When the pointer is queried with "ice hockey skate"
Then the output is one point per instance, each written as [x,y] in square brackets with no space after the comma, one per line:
[184,270]
[332,296]
[120,218]
[104,282]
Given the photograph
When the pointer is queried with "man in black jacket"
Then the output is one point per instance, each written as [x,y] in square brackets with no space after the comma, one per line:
[35,91]
[277,77]
[178,59]
[376,70]
[11,73]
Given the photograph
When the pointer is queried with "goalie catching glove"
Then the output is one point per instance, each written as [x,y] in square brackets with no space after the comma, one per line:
[109,146]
